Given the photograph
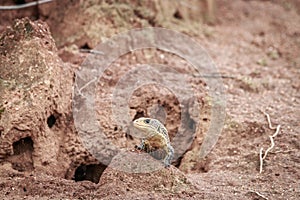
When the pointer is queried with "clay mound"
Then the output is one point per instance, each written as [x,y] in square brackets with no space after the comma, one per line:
[114,184]
[36,125]
[254,43]
[132,173]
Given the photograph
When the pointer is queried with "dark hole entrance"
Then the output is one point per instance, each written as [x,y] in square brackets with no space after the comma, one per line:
[178,162]
[85,46]
[51,121]
[23,145]
[177,15]
[91,172]
[22,158]
[19,2]
[138,115]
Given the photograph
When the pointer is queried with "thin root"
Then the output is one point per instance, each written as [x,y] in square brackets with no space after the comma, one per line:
[272,141]
[261,156]
[25,5]
[269,120]
[258,194]
[261,160]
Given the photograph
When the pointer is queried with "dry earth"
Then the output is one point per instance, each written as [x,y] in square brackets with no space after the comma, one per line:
[256,47]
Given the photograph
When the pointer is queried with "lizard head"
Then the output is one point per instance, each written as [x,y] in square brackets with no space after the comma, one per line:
[146,124]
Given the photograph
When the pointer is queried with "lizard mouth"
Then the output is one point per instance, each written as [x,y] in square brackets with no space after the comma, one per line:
[138,124]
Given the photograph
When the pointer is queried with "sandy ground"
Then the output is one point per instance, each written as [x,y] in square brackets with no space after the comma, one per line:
[256,47]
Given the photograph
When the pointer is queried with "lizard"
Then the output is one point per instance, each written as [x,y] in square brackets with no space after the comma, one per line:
[155,136]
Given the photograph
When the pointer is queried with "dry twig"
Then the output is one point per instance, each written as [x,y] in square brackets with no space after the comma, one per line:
[258,194]
[261,156]
[25,5]
[92,51]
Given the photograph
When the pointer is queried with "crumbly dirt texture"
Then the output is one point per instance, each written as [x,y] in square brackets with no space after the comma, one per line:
[256,47]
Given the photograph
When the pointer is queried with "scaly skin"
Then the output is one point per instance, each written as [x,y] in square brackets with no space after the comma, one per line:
[155,137]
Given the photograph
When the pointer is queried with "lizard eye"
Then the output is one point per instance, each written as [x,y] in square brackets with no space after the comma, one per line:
[147,121]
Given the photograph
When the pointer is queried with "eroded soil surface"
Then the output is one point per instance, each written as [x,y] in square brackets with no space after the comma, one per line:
[254,44]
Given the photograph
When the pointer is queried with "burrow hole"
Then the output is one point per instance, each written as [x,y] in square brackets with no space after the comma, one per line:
[22,158]
[85,46]
[51,120]
[138,115]
[91,172]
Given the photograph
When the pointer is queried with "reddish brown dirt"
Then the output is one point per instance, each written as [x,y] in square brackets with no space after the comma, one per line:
[256,46]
